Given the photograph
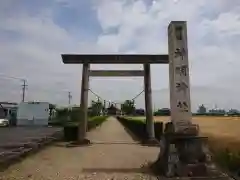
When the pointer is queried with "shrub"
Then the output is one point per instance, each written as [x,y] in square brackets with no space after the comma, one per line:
[71,128]
[139,128]
[96,121]
[228,160]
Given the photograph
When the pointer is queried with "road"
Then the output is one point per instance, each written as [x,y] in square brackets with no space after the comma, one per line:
[15,136]
[113,155]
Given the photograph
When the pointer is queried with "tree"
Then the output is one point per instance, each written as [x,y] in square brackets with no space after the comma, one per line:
[202,109]
[217,112]
[112,110]
[52,107]
[62,112]
[96,107]
[128,107]
[62,115]
[233,112]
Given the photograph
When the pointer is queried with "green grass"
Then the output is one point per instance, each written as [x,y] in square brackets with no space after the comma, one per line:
[137,118]
[64,122]
[97,118]
[138,126]
[96,121]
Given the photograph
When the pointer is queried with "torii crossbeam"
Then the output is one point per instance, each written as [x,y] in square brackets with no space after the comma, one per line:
[115,59]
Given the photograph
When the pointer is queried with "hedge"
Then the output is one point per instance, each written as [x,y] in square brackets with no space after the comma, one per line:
[71,129]
[139,129]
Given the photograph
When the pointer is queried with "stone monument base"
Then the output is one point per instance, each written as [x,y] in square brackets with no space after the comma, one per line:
[184,155]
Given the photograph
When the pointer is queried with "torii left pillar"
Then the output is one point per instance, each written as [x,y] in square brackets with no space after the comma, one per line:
[82,129]
[148,103]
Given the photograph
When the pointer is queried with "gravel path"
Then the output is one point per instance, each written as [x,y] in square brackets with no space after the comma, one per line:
[113,155]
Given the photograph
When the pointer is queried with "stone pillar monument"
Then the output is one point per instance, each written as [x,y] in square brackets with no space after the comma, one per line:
[183,152]
[179,76]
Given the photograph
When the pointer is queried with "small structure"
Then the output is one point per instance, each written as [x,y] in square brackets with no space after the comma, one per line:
[8,111]
[7,107]
[33,113]
[163,112]
[233,112]
[112,110]
[139,112]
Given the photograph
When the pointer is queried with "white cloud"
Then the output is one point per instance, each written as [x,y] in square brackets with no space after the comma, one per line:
[139,27]
[210,51]
[114,13]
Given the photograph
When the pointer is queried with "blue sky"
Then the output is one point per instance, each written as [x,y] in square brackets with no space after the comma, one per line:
[33,34]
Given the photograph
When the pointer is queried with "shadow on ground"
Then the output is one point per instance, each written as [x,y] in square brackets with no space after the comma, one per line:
[144,169]
[68,144]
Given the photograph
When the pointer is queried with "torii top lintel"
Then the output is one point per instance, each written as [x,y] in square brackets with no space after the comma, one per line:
[115,58]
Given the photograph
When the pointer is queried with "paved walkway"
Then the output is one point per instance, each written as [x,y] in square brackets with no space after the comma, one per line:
[113,155]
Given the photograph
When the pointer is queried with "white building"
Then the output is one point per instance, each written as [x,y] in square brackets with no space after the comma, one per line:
[33,113]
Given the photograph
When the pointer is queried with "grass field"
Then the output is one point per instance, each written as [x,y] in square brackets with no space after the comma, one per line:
[223,132]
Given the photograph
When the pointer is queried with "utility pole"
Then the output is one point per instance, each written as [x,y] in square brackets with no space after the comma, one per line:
[24,90]
[104,107]
[69,98]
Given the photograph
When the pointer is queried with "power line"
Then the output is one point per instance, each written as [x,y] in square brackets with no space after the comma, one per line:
[24,86]
[21,79]
[137,95]
[99,97]
[11,77]
[36,88]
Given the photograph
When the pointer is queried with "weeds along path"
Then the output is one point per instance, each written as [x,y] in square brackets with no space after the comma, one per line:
[113,155]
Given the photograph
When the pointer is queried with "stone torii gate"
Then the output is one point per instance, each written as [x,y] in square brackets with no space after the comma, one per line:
[177,58]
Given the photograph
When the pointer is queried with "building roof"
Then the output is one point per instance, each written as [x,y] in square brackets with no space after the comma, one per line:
[8,104]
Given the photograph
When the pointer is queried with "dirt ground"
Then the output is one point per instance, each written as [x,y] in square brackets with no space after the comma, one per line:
[114,155]
[223,132]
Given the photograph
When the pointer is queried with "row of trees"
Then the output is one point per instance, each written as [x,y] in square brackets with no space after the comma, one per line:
[128,107]
[97,108]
